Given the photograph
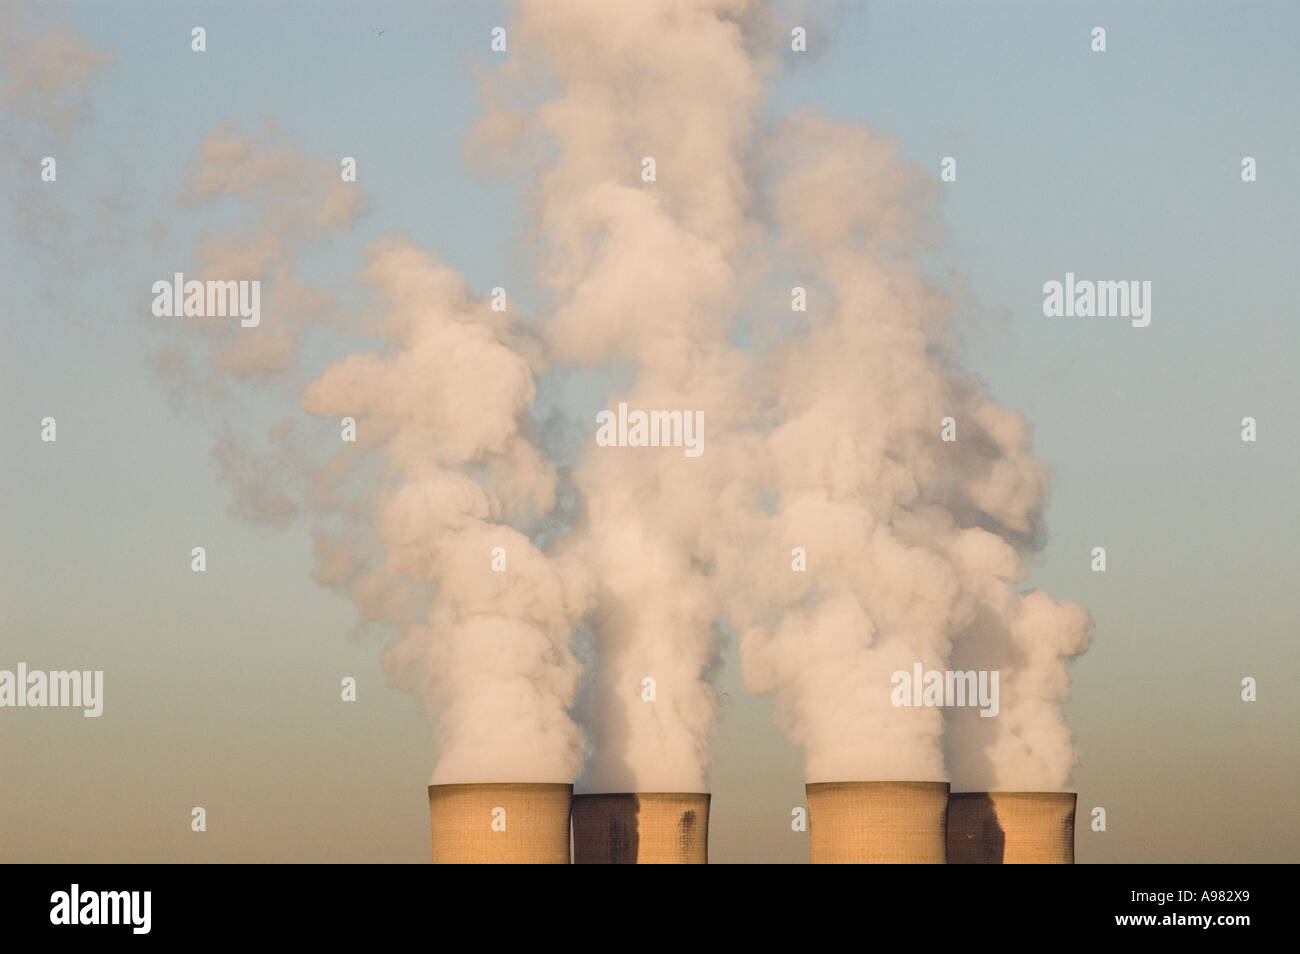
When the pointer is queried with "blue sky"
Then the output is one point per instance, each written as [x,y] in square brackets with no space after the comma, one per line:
[222,688]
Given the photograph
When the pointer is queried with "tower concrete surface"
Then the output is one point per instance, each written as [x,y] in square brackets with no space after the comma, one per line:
[646,828]
[500,823]
[877,822]
[1011,828]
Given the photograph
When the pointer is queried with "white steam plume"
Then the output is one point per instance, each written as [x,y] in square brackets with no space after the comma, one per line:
[913,543]
[406,521]
[446,404]
[642,275]
[827,440]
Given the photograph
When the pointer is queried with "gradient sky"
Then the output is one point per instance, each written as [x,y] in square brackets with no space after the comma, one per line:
[222,688]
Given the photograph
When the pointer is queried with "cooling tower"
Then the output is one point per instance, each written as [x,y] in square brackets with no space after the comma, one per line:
[501,823]
[641,828]
[1011,828]
[877,822]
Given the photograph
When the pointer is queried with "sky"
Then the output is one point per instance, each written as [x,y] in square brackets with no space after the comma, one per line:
[221,689]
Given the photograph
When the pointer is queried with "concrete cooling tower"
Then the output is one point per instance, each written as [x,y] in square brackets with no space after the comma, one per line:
[877,822]
[501,823]
[642,828]
[1011,828]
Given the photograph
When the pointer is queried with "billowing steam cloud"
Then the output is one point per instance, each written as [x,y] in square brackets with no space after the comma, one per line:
[642,274]
[447,403]
[424,521]
[440,523]
[911,541]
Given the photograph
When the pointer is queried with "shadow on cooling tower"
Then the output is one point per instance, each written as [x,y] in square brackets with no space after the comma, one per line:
[624,828]
[1011,828]
[974,835]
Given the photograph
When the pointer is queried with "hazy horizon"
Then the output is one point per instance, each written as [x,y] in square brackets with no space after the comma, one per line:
[222,688]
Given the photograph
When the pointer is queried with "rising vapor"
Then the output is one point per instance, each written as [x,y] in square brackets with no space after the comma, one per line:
[643,278]
[913,543]
[446,405]
[824,436]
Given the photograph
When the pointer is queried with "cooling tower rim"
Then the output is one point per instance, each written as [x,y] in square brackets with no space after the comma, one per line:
[705,795]
[1008,791]
[512,786]
[876,783]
